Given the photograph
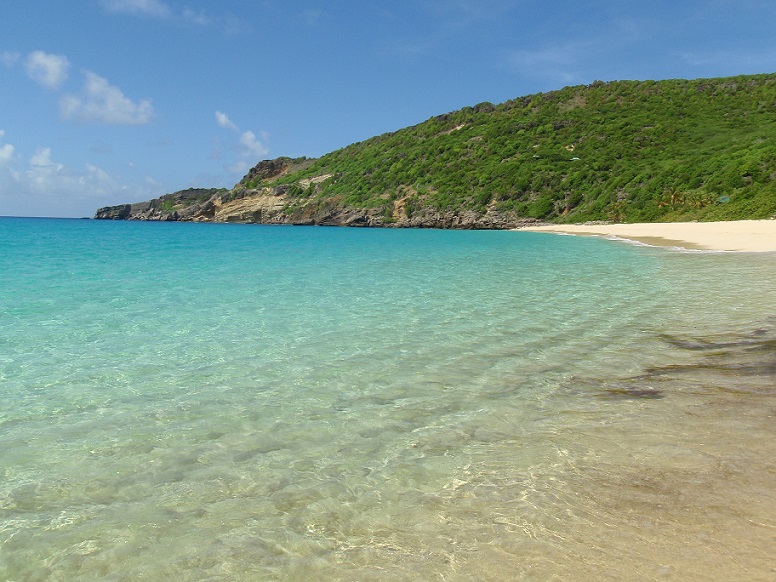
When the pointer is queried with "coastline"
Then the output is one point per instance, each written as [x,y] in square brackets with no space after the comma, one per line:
[739,235]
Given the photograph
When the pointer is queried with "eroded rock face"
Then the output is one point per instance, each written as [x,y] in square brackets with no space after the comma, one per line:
[261,207]
[121,212]
[194,204]
[268,206]
[269,169]
[249,202]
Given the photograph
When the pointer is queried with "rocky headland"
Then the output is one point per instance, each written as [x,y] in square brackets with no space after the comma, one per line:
[622,151]
[277,205]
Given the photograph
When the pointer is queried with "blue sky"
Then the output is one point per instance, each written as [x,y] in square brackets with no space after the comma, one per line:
[111,101]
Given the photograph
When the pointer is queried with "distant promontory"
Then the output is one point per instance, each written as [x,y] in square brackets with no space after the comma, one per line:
[623,151]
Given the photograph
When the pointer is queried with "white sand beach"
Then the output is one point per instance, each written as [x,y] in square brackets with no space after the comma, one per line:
[739,235]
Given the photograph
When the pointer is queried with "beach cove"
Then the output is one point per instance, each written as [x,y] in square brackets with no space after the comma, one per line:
[239,402]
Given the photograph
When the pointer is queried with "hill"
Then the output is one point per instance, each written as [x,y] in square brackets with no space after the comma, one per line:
[624,151]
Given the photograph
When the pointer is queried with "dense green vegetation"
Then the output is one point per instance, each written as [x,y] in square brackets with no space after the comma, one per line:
[625,151]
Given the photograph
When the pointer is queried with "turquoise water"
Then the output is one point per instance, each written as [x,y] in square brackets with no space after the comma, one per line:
[239,402]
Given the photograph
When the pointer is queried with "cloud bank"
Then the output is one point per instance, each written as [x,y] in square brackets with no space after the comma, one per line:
[101,102]
[46,186]
[223,120]
[48,70]
[98,100]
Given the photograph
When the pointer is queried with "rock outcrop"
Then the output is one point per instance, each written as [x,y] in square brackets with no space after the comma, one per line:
[271,169]
[194,204]
[250,201]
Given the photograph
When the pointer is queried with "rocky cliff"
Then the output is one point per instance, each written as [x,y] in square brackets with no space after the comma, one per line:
[280,204]
[273,206]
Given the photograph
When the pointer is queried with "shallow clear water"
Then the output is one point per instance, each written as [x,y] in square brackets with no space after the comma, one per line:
[204,402]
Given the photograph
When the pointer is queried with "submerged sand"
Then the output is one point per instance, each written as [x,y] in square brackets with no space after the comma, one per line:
[738,235]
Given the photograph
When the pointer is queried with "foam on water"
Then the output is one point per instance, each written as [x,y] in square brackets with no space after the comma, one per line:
[185,401]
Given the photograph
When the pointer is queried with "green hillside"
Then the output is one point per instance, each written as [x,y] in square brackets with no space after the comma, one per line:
[625,151]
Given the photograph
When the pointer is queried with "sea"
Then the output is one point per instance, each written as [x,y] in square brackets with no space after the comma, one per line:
[184,401]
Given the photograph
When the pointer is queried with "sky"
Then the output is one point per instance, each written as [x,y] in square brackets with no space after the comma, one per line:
[104,102]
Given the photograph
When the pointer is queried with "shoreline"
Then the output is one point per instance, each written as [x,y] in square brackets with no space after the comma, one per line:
[752,236]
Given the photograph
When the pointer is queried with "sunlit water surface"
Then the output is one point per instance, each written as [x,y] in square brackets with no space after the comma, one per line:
[225,402]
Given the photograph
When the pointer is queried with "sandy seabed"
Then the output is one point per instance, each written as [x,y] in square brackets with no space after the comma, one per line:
[738,235]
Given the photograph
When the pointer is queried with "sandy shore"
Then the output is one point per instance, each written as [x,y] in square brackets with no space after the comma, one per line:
[739,235]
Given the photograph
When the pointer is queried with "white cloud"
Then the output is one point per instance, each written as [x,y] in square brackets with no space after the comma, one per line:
[6,150]
[248,149]
[249,152]
[224,121]
[42,186]
[42,171]
[47,69]
[152,8]
[101,102]
[250,146]
[6,153]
